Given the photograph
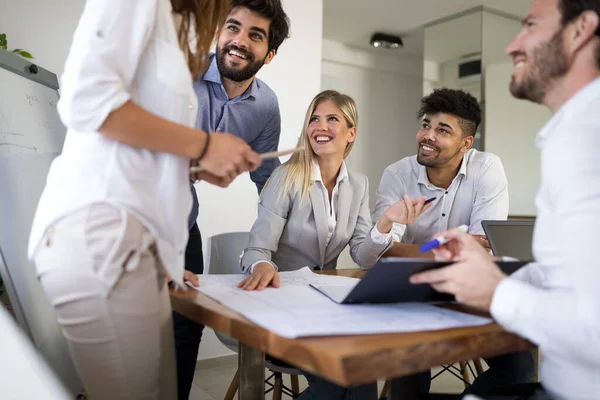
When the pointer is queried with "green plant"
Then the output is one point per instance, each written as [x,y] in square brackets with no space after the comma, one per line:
[4,46]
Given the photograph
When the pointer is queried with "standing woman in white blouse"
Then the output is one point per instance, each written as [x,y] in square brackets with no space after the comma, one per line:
[111,224]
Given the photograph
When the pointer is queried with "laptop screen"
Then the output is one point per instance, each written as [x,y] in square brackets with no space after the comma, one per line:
[510,238]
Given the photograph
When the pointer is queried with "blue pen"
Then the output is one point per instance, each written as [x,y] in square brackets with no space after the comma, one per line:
[440,240]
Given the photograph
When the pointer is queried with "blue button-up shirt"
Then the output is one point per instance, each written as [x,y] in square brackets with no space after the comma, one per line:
[253,116]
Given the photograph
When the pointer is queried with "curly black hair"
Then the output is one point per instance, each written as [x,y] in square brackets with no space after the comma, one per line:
[273,11]
[455,102]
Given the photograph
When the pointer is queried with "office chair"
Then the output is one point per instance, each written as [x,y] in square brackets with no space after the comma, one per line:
[223,257]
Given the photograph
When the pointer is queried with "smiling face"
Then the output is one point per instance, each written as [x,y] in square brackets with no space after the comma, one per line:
[328,132]
[243,45]
[538,52]
[440,141]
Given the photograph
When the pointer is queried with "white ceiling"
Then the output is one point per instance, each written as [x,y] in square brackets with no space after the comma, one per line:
[352,22]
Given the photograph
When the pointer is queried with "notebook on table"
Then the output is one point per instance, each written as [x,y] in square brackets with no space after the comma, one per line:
[388,282]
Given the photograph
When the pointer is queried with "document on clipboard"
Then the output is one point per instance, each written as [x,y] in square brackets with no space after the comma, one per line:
[388,282]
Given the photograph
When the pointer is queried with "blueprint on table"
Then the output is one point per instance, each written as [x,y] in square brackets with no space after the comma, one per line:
[296,310]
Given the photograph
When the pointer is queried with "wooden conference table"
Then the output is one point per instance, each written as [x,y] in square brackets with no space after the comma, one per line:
[346,360]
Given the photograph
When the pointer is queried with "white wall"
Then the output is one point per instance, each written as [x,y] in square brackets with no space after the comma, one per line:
[45,29]
[511,126]
[387,88]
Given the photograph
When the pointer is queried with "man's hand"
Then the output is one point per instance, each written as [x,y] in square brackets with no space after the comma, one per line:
[262,275]
[405,211]
[227,156]
[472,279]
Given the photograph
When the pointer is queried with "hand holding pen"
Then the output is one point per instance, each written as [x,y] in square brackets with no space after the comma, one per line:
[224,157]
[441,240]
[405,212]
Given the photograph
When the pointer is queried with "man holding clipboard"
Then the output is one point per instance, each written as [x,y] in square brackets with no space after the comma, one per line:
[554,301]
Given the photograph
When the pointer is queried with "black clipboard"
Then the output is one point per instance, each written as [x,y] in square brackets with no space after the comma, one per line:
[388,282]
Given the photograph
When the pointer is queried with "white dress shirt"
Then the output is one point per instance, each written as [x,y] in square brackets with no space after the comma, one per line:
[478,192]
[123,50]
[555,302]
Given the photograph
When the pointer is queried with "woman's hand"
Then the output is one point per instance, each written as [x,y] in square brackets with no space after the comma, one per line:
[263,275]
[188,276]
[226,157]
[406,211]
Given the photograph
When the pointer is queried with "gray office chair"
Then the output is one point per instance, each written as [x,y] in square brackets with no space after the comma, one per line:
[223,257]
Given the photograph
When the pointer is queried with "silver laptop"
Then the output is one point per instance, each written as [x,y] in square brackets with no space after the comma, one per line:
[510,238]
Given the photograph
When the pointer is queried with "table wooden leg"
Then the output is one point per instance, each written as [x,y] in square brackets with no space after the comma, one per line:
[404,388]
[252,373]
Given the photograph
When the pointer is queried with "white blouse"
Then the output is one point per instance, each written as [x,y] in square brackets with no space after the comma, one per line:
[123,50]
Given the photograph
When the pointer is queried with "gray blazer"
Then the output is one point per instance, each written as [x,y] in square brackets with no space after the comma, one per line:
[292,233]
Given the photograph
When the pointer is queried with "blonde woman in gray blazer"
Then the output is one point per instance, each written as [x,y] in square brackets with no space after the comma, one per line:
[312,207]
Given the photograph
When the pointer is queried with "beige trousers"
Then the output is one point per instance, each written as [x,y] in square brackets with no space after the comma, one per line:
[99,268]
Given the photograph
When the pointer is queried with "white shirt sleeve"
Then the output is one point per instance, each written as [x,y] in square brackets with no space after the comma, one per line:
[398,232]
[380,238]
[563,317]
[103,60]
[395,234]
[251,269]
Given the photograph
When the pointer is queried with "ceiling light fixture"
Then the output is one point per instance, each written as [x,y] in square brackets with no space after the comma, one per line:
[385,41]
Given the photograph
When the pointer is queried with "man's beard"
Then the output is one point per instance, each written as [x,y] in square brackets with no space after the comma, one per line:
[237,74]
[435,161]
[548,62]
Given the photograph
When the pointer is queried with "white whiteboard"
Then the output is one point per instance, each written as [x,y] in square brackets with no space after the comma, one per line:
[29,123]
[31,136]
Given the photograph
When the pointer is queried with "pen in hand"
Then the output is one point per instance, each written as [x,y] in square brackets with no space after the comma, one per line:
[440,240]
[264,156]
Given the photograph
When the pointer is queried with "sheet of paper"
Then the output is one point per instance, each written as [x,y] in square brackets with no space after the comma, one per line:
[300,277]
[296,310]
[335,293]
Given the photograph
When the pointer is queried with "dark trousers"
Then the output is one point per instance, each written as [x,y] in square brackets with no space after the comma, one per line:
[525,391]
[321,389]
[187,333]
[528,391]
[505,371]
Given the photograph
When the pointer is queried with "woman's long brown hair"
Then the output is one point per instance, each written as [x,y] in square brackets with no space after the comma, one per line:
[206,17]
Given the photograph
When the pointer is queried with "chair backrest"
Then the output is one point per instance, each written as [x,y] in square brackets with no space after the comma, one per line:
[223,252]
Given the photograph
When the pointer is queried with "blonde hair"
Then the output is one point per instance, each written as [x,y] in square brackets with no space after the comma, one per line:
[300,166]
[207,18]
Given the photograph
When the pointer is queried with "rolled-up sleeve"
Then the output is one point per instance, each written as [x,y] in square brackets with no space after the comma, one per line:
[103,60]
